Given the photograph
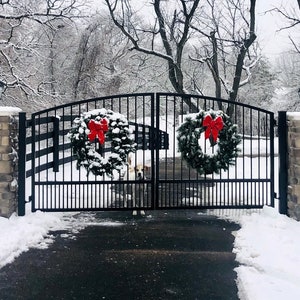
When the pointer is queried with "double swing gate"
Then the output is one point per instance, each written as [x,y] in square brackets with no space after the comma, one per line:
[50,180]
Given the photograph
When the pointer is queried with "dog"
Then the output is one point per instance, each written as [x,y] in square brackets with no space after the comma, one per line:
[135,190]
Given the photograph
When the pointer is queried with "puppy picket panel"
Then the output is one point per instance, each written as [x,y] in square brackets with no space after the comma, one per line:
[55,184]
[64,187]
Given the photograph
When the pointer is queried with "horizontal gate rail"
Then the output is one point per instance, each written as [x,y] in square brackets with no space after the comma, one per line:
[213,180]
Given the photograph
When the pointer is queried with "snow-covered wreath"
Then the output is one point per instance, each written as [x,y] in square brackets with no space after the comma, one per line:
[91,131]
[219,129]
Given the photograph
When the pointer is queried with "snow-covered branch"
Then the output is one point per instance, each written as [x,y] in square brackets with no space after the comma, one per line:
[166,31]
[247,69]
[23,25]
[291,16]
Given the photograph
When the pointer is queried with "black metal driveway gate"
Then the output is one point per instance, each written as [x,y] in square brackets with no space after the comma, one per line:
[52,183]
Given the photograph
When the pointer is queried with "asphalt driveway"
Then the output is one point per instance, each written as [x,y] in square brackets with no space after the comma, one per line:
[167,255]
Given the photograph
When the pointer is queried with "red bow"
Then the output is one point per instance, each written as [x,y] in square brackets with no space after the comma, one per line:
[212,126]
[97,129]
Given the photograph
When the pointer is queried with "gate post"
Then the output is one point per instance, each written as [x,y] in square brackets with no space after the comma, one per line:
[283,161]
[8,160]
[292,155]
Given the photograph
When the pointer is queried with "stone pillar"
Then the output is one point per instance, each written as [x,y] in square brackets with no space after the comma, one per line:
[293,193]
[8,160]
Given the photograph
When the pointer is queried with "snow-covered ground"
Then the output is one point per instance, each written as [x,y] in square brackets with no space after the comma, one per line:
[267,246]
[19,234]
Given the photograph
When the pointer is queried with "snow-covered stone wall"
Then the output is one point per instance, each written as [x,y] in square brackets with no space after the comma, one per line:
[293,193]
[8,160]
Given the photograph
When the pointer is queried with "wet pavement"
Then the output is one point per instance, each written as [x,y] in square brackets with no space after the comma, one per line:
[164,255]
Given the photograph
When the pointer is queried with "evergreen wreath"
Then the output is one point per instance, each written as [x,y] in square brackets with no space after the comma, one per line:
[91,131]
[219,129]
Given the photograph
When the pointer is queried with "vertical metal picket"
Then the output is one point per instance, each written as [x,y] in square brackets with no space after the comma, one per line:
[154,173]
[155,130]
[55,143]
[33,170]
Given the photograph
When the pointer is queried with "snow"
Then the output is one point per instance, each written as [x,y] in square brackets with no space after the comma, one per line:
[293,115]
[19,234]
[267,248]
[8,110]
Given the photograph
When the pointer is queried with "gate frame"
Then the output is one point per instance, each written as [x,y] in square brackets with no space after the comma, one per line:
[272,124]
[155,133]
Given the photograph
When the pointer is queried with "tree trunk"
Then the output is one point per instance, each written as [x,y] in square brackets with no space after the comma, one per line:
[215,67]
[240,60]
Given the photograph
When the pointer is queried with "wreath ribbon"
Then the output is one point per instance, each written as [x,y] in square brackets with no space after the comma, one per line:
[213,126]
[97,130]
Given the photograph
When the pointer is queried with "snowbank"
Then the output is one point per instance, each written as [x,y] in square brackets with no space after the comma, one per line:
[18,234]
[268,249]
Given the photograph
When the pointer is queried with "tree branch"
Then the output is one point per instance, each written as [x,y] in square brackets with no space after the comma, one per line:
[241,56]
[294,44]
[133,40]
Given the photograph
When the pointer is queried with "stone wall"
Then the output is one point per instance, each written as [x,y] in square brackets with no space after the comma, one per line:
[293,140]
[8,160]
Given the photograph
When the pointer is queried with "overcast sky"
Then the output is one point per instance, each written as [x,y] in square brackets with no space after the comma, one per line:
[272,41]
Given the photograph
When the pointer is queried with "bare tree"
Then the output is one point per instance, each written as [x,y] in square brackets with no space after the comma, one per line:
[230,36]
[261,86]
[288,69]
[103,63]
[227,34]
[292,16]
[22,25]
[170,29]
